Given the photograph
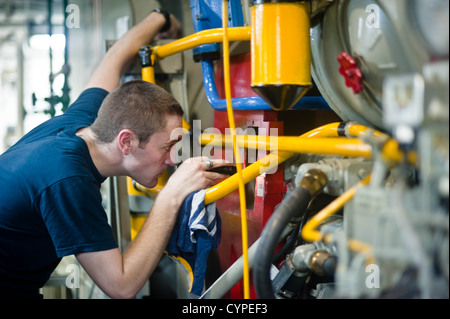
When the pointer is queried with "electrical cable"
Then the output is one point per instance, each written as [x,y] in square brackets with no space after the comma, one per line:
[243,206]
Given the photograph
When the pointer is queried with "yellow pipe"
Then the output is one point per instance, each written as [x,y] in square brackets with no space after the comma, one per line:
[364,248]
[243,206]
[390,151]
[136,223]
[327,130]
[263,165]
[329,146]
[199,38]
[274,159]
[355,245]
[148,74]
[147,63]
[358,130]
[310,232]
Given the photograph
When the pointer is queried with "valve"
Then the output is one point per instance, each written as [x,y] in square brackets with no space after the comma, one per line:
[351,72]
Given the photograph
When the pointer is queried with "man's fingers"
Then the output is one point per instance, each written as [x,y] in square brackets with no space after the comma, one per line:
[207,162]
[224,170]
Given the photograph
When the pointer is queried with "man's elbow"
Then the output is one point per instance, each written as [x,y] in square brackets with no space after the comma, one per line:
[121,293]
[121,290]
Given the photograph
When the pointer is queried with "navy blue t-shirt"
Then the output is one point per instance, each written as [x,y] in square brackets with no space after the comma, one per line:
[50,200]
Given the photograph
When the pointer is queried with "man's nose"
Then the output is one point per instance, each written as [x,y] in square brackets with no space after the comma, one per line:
[169,161]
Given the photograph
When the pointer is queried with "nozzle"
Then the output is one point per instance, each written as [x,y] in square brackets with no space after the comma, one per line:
[281,97]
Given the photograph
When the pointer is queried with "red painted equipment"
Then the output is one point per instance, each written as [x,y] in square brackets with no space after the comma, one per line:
[264,193]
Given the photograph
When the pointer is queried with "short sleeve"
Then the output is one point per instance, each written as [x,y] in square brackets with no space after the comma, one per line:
[81,113]
[74,216]
[89,102]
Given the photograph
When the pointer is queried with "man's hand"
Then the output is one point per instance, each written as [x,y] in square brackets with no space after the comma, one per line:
[123,52]
[174,31]
[193,175]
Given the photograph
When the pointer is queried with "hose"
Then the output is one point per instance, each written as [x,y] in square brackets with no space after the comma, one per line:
[294,205]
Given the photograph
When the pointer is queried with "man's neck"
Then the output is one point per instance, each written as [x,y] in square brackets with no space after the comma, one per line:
[105,159]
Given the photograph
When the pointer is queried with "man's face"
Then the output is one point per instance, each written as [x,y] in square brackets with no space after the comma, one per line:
[150,162]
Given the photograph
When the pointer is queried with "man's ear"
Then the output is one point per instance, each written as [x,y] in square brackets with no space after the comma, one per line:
[126,140]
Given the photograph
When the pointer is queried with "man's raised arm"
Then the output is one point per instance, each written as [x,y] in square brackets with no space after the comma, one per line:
[107,75]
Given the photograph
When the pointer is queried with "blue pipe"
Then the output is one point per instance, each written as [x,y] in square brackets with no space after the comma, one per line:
[251,103]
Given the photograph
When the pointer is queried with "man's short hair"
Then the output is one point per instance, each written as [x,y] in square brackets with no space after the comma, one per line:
[137,105]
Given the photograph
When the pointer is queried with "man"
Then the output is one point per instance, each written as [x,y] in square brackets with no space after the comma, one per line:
[50,202]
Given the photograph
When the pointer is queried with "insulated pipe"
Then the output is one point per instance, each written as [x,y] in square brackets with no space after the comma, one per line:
[390,151]
[199,38]
[264,165]
[329,146]
[148,70]
[294,205]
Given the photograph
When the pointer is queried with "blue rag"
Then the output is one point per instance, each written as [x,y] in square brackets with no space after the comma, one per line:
[196,232]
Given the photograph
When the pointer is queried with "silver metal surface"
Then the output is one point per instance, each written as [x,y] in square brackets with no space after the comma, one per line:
[381,43]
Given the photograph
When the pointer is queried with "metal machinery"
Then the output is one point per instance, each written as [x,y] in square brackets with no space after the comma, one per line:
[348,197]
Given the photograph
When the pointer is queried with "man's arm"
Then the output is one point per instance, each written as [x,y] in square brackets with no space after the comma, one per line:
[124,276]
[107,75]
